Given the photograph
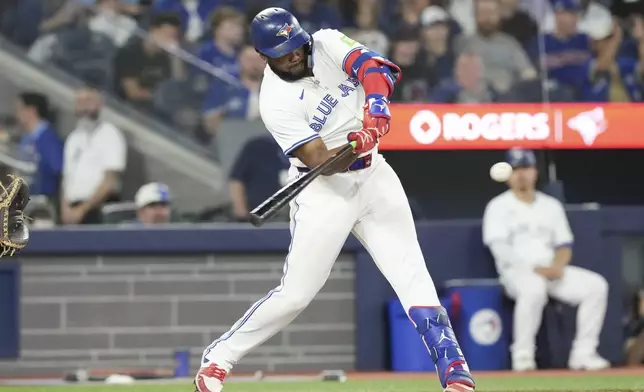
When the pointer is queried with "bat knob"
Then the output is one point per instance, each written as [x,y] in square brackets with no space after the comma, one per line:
[256,220]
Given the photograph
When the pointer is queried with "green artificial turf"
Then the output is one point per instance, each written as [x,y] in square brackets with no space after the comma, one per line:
[485,384]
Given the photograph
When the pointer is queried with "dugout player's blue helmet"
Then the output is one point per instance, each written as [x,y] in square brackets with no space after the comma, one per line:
[275,32]
[520,157]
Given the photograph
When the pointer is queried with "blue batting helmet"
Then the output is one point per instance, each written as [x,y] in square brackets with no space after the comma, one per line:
[275,32]
[520,157]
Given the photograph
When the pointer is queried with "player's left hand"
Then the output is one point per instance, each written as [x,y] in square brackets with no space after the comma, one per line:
[377,116]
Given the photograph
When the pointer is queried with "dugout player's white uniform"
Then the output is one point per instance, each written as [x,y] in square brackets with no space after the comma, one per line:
[370,203]
[533,233]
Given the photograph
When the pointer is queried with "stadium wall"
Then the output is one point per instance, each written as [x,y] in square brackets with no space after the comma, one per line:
[114,298]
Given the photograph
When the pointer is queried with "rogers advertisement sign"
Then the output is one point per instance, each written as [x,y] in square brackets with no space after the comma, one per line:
[501,126]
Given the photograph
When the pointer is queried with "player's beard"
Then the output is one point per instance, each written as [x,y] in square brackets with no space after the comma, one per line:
[291,76]
[302,69]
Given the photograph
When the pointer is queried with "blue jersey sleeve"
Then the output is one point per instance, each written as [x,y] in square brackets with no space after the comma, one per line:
[216,99]
[51,151]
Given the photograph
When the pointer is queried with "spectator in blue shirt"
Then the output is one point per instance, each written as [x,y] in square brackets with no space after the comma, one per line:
[436,54]
[258,172]
[608,77]
[566,49]
[40,145]
[227,30]
[225,100]
[194,14]
[315,15]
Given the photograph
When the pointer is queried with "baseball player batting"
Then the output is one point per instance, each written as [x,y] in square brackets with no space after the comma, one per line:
[320,92]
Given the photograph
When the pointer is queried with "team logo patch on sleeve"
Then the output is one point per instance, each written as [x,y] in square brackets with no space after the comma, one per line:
[285,31]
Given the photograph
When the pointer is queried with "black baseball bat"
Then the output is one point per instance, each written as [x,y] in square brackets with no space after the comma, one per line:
[281,198]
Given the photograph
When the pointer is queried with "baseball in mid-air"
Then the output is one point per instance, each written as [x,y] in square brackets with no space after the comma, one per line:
[501,171]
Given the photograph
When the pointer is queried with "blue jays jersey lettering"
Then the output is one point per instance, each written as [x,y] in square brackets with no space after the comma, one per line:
[328,105]
[324,108]
[349,86]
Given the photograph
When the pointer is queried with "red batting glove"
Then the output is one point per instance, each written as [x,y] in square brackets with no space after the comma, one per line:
[377,116]
[366,140]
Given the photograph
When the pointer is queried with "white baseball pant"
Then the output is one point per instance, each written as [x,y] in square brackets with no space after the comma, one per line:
[577,287]
[369,203]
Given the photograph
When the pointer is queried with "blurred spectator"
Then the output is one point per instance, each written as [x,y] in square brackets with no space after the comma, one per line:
[413,87]
[468,85]
[142,64]
[88,26]
[94,158]
[259,171]
[504,59]
[406,18]
[315,15]
[233,101]
[193,14]
[135,8]
[517,23]
[591,10]
[153,203]
[367,31]
[109,20]
[29,19]
[565,49]
[435,54]
[632,25]
[227,30]
[607,77]
[454,28]
[463,12]
[40,145]
[44,48]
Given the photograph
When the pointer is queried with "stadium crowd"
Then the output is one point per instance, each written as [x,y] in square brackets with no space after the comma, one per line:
[189,63]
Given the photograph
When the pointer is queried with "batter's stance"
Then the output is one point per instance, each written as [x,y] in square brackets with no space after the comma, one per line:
[318,92]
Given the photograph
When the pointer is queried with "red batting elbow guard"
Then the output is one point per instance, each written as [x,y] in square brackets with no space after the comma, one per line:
[374,83]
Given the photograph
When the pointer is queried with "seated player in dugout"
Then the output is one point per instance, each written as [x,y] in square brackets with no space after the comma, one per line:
[530,238]
[319,92]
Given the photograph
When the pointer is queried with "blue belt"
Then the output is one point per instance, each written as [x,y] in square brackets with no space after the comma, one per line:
[359,164]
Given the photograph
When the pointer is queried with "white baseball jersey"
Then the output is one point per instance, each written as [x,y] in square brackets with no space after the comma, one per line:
[533,230]
[370,202]
[327,106]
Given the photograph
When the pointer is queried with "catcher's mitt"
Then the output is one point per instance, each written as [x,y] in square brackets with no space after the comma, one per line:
[13,200]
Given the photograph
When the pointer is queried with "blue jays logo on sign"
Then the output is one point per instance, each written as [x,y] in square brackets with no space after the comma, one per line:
[285,31]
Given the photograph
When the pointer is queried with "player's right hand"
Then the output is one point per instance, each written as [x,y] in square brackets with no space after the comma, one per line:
[366,139]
